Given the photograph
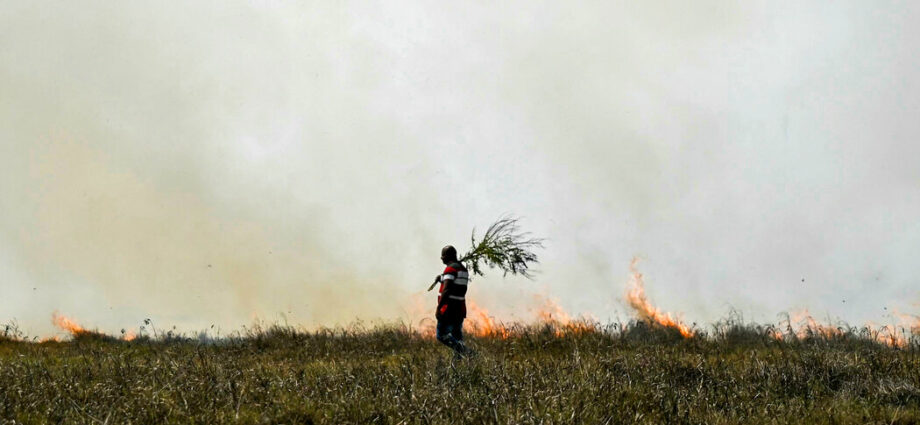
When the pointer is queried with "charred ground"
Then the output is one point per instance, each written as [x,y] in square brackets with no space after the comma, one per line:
[392,374]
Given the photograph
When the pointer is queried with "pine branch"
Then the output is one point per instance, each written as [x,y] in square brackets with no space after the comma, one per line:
[504,247]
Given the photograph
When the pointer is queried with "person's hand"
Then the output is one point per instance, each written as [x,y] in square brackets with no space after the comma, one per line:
[436,280]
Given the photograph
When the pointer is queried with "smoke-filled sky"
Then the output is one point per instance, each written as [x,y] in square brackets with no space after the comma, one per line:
[208,163]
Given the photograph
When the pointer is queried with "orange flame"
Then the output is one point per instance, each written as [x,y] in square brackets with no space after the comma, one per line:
[482,324]
[553,314]
[802,325]
[74,328]
[67,324]
[899,335]
[129,335]
[426,328]
[645,310]
[890,335]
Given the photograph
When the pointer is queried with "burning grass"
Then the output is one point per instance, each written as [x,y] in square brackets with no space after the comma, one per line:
[79,333]
[644,309]
[634,372]
[554,369]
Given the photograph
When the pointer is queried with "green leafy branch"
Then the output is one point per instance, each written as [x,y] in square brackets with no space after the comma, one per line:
[503,246]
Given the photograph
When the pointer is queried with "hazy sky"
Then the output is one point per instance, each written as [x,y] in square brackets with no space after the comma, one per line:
[203,163]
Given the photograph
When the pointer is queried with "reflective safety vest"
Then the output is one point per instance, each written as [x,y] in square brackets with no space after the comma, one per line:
[452,295]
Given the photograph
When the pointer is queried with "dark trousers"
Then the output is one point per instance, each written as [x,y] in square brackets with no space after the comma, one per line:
[450,333]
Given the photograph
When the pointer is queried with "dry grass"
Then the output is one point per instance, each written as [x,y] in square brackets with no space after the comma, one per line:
[389,374]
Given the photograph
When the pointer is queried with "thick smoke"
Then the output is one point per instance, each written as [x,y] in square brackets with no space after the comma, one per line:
[205,164]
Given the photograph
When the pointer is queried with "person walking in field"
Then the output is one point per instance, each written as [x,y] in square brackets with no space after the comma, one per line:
[504,247]
[451,308]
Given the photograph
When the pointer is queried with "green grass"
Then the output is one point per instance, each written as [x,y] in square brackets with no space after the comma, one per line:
[389,374]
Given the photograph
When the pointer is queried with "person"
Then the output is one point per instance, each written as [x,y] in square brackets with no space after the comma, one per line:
[451,310]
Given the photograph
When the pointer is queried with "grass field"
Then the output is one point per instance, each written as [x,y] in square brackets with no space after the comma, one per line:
[390,374]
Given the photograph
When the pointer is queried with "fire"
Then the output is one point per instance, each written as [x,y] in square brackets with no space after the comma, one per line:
[802,325]
[645,310]
[552,314]
[482,324]
[898,335]
[427,328]
[889,335]
[67,324]
[479,321]
[128,335]
[74,328]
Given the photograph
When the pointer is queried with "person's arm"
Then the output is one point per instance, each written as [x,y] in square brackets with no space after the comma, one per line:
[437,280]
[446,280]
[448,276]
